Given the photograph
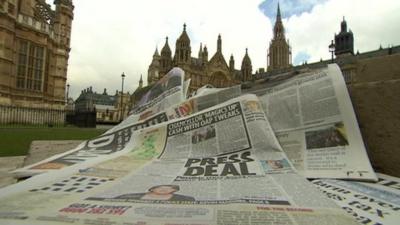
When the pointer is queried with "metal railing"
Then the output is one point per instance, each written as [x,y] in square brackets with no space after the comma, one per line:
[23,116]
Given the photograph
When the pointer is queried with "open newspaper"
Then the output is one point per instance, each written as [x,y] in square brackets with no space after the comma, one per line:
[120,137]
[314,121]
[166,92]
[370,203]
[222,165]
[169,90]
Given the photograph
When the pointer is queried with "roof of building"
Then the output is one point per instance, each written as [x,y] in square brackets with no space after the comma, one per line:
[342,60]
[96,98]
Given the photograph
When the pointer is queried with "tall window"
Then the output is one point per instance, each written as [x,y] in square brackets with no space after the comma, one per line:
[30,66]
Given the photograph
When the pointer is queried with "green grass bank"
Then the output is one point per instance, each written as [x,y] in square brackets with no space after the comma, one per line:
[16,141]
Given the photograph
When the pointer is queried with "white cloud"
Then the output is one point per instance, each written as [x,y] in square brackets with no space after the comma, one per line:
[111,37]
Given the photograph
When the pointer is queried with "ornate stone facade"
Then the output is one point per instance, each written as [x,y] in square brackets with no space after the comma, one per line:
[344,41]
[280,53]
[34,52]
[200,70]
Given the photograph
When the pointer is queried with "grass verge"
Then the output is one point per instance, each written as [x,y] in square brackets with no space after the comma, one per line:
[16,141]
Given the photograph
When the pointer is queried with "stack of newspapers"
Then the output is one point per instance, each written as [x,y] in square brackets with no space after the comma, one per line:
[283,151]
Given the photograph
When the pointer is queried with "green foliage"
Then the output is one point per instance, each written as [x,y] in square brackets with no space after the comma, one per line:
[16,141]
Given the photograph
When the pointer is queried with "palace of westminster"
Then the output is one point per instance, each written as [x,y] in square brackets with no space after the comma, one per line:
[35,46]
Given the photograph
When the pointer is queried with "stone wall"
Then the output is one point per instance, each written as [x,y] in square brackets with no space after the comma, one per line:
[376,100]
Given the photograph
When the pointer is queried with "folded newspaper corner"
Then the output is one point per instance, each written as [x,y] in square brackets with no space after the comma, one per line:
[211,159]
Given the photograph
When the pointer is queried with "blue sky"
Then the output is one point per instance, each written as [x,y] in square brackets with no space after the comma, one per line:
[301,57]
[288,7]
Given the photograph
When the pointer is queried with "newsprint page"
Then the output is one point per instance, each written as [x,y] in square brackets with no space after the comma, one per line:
[370,203]
[314,121]
[222,166]
[119,137]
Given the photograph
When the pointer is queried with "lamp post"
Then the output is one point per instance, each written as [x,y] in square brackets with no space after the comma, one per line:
[122,93]
[332,49]
[67,92]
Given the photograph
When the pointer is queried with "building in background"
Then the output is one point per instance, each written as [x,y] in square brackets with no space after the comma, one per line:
[373,82]
[201,70]
[34,52]
[353,65]
[109,108]
[279,53]
[216,71]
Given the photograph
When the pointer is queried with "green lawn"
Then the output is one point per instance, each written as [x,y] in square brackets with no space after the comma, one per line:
[16,141]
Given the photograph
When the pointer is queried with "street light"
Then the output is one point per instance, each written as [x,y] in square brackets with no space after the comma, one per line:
[122,93]
[332,49]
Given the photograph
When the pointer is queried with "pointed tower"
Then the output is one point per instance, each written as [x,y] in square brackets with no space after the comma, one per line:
[141,81]
[279,54]
[200,56]
[218,60]
[246,68]
[231,64]
[182,49]
[63,21]
[219,44]
[344,41]
[64,14]
[154,68]
[205,54]
[165,59]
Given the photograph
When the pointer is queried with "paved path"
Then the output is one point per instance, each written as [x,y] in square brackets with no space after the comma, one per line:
[8,164]
[38,151]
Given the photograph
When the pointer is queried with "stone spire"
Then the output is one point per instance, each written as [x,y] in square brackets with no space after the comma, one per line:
[201,51]
[166,50]
[141,81]
[156,54]
[232,63]
[278,14]
[279,30]
[344,41]
[182,48]
[219,43]
[343,26]
[279,53]
[166,58]
[246,68]
[205,54]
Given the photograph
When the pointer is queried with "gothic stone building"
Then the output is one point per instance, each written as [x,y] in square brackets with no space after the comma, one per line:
[280,53]
[373,82]
[201,70]
[34,51]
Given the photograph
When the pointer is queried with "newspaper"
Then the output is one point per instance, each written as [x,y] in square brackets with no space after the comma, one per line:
[222,165]
[370,203]
[314,121]
[169,90]
[205,90]
[186,85]
[388,182]
[119,137]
